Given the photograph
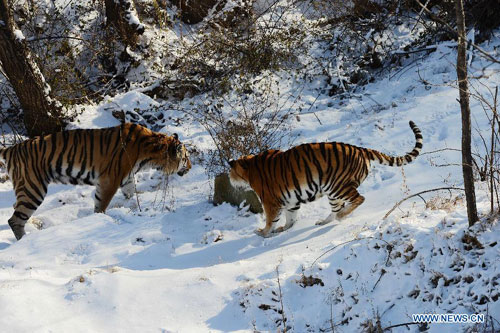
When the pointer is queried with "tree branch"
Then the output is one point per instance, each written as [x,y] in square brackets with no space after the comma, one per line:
[451,30]
[418,194]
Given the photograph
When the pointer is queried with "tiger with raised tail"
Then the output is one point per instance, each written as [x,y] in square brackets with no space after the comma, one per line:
[283,180]
[106,158]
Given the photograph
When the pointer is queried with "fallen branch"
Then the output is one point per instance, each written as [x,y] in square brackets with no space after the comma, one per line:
[398,325]
[418,194]
[424,49]
[388,247]
[440,150]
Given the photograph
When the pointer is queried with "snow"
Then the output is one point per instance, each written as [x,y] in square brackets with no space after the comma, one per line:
[19,35]
[133,19]
[176,263]
[131,14]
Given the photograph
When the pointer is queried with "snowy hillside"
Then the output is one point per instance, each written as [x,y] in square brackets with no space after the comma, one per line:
[169,261]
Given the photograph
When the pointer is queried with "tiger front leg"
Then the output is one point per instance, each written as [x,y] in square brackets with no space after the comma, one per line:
[105,190]
[272,213]
[19,218]
[128,187]
[16,223]
[291,217]
[26,204]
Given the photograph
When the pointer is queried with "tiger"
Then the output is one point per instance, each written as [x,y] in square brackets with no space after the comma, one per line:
[283,180]
[107,158]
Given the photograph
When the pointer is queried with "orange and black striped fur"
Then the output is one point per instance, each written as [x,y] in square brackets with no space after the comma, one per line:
[283,180]
[106,158]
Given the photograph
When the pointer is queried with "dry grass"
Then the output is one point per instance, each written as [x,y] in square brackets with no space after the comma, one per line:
[447,204]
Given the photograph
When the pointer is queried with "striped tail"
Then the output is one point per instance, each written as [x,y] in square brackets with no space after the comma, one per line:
[400,160]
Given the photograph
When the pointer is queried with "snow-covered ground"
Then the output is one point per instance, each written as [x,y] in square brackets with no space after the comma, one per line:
[172,262]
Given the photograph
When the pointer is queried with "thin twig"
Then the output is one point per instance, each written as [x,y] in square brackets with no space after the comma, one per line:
[388,246]
[283,318]
[390,307]
[421,197]
[382,272]
[332,325]
[399,325]
[420,15]
[418,194]
[314,113]
[55,37]
[440,150]
[451,30]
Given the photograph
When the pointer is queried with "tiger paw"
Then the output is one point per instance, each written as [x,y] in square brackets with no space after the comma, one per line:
[278,230]
[18,231]
[36,222]
[341,215]
[325,221]
[263,233]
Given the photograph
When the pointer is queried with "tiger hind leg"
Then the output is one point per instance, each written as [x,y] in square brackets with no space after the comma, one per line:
[272,217]
[353,200]
[336,206]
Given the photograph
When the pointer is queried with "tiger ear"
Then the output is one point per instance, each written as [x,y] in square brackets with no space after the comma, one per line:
[176,137]
[232,163]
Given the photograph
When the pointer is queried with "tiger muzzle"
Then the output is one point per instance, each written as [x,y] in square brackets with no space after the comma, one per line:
[182,172]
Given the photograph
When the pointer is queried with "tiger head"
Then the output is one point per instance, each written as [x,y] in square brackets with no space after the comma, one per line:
[170,155]
[182,156]
[239,174]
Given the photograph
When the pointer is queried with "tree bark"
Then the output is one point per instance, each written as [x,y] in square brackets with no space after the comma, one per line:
[470,194]
[121,14]
[42,113]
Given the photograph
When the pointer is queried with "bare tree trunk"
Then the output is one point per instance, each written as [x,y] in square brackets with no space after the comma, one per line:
[121,14]
[470,194]
[42,114]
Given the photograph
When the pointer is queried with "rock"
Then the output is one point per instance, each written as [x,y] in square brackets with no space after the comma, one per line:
[225,192]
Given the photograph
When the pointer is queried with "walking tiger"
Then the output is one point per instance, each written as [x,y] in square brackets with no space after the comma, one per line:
[283,180]
[106,158]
